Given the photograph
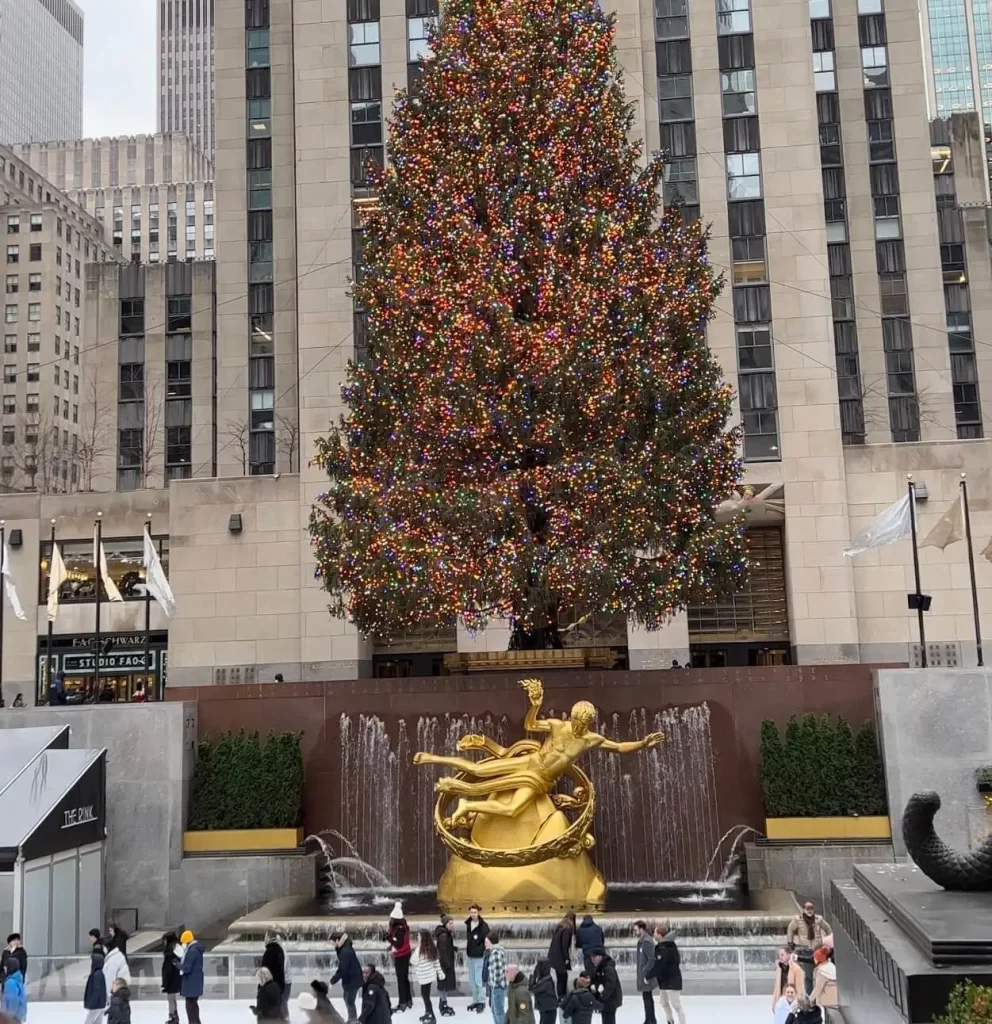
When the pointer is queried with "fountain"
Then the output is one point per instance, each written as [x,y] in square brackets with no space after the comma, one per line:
[657,836]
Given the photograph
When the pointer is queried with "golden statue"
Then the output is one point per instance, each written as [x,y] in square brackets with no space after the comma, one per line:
[522,853]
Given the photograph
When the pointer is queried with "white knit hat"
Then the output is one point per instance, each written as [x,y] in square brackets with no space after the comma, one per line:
[397,912]
[306,1001]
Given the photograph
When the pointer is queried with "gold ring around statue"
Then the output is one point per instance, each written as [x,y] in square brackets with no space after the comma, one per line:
[573,841]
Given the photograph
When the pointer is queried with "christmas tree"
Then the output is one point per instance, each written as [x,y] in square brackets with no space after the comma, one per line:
[538,424]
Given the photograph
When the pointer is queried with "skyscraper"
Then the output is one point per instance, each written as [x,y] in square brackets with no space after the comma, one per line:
[186,70]
[41,70]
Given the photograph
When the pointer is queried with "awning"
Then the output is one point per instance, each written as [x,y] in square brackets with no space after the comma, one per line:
[19,747]
[57,802]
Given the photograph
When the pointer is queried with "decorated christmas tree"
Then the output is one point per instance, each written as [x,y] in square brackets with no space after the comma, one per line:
[538,424]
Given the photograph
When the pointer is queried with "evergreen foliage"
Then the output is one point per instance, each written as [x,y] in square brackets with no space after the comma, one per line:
[821,768]
[968,1004]
[242,782]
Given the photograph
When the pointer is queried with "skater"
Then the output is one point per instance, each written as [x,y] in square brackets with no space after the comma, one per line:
[349,973]
[268,999]
[274,959]
[115,966]
[645,958]
[15,948]
[805,935]
[375,1002]
[192,972]
[316,1007]
[444,939]
[824,979]
[119,1011]
[787,972]
[426,968]
[667,971]
[95,995]
[560,953]
[497,978]
[172,980]
[543,990]
[589,937]
[96,942]
[118,940]
[805,1011]
[785,1003]
[606,985]
[398,937]
[14,1000]
[580,1004]
[475,953]
[519,1009]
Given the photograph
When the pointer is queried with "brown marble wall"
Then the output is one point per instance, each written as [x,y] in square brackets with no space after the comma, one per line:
[370,791]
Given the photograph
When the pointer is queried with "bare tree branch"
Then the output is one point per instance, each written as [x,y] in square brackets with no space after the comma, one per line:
[288,442]
[95,436]
[238,434]
[153,431]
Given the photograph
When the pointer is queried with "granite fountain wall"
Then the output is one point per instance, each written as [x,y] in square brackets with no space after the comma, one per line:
[661,813]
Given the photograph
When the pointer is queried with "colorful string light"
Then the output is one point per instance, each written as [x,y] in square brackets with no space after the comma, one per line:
[539,423]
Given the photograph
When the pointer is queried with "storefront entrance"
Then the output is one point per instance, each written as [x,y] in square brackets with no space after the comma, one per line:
[122,667]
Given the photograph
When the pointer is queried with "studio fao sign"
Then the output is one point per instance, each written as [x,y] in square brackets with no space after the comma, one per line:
[114,663]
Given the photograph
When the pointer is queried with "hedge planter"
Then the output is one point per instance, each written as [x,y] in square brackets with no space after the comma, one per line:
[869,828]
[242,840]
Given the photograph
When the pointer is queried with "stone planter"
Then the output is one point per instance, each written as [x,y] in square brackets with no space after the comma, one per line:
[249,840]
[800,829]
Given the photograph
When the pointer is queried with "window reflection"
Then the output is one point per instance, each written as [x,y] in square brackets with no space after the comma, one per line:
[124,562]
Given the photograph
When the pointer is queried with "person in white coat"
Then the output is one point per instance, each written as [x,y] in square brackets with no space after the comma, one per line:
[426,969]
[114,967]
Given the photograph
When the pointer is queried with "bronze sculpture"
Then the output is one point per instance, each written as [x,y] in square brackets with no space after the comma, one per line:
[522,852]
[959,872]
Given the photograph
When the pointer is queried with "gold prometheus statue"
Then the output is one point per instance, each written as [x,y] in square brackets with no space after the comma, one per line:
[522,853]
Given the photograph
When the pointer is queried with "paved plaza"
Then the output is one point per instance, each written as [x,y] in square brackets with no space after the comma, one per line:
[699,1010]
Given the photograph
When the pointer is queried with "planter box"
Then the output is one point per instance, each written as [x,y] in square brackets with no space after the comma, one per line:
[249,840]
[793,829]
[984,787]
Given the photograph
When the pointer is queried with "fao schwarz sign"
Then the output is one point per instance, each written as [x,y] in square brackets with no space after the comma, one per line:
[78,816]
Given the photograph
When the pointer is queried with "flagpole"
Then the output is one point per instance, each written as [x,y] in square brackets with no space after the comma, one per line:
[971,569]
[917,598]
[148,613]
[99,584]
[48,644]
[3,594]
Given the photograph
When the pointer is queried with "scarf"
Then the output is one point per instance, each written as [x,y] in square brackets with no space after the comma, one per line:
[810,927]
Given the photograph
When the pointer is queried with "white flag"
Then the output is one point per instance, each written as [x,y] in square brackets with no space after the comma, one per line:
[949,529]
[56,577]
[100,559]
[886,528]
[8,583]
[158,585]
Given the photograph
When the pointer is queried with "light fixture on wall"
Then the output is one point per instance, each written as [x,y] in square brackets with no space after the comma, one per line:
[234,523]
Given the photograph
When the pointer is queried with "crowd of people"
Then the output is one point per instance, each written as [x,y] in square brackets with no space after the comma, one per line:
[805,974]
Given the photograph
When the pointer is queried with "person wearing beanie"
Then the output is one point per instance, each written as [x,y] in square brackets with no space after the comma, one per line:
[316,1006]
[349,973]
[444,939]
[398,937]
[268,999]
[192,974]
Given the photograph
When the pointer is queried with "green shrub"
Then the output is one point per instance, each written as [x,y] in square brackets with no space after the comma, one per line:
[983,774]
[821,768]
[969,1004]
[241,781]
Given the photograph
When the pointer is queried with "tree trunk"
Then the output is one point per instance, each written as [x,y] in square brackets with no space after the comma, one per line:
[540,638]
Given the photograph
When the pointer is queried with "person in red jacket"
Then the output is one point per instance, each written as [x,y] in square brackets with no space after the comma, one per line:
[398,937]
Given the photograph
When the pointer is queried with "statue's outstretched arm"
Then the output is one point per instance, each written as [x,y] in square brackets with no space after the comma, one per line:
[535,694]
[629,746]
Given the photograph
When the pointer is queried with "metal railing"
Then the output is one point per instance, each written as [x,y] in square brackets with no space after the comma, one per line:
[706,970]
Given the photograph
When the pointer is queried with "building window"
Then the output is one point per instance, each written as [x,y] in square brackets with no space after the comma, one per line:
[260,189]
[758,395]
[131,386]
[675,98]
[819,9]
[262,405]
[34,311]
[35,253]
[13,225]
[9,405]
[34,282]
[874,63]
[743,176]
[259,118]
[180,313]
[10,373]
[366,123]
[13,284]
[13,254]
[10,343]
[10,314]
[33,403]
[739,97]
[671,19]
[363,44]
[34,373]
[824,76]
[733,17]
[258,47]
[36,221]
[417,45]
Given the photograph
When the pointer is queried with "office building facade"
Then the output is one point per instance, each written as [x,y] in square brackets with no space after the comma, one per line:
[41,70]
[153,194]
[186,46]
[853,325]
[49,413]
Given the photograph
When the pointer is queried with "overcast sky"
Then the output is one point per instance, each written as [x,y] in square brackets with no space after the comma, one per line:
[120,86]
